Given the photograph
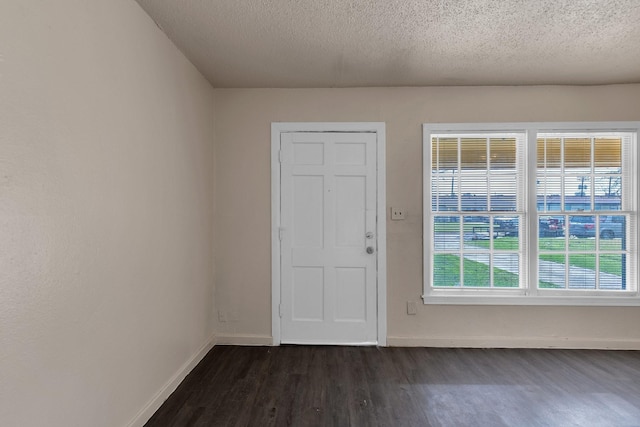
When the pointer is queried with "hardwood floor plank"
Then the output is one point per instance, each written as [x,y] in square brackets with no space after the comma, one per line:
[368,386]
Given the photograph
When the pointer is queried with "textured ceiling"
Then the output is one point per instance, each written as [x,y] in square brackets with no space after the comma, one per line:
[347,43]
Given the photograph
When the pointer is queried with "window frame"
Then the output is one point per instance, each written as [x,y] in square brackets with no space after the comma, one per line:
[528,295]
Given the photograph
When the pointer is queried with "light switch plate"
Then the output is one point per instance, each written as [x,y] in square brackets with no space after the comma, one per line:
[398,214]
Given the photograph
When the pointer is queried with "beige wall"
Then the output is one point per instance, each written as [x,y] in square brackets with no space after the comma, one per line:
[106,205]
[107,219]
[243,201]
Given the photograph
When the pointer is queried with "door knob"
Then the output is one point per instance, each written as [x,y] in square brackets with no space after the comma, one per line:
[369,235]
[369,249]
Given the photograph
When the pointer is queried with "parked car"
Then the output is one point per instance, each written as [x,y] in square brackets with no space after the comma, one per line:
[481,233]
[506,226]
[551,227]
[611,226]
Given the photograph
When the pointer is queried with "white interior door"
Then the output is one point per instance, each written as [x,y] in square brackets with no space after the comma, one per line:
[328,241]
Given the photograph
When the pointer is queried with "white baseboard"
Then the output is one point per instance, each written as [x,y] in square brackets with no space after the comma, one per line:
[241,339]
[156,401]
[517,342]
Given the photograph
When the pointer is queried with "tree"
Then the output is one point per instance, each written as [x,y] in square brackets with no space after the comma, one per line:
[611,186]
[582,186]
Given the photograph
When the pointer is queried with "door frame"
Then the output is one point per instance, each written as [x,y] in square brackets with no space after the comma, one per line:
[278,128]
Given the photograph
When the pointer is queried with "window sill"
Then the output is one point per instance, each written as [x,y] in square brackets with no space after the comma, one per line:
[627,300]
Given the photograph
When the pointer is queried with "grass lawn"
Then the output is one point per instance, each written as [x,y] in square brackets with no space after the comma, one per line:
[454,227]
[555,244]
[547,285]
[447,274]
[609,263]
[476,274]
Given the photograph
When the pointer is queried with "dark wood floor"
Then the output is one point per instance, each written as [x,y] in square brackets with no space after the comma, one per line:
[368,386]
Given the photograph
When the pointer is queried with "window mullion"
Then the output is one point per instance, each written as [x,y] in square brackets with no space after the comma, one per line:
[531,213]
[592,177]
[459,183]
[487,171]
[563,178]
[435,161]
[592,195]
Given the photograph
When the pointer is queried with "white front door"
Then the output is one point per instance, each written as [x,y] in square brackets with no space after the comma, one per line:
[328,247]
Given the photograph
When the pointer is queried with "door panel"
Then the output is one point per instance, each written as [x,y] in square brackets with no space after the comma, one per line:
[328,205]
[308,205]
[308,294]
[350,210]
[351,294]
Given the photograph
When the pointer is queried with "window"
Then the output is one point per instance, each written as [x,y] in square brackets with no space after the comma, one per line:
[531,213]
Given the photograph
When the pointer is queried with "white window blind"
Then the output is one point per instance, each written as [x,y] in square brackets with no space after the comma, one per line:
[477,193]
[519,213]
[586,184]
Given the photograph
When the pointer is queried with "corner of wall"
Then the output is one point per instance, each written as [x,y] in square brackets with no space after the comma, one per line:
[171,385]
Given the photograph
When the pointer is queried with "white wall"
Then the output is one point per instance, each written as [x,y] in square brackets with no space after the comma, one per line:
[106,205]
[242,224]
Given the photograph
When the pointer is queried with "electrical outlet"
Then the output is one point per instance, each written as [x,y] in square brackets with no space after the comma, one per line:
[398,214]
[222,316]
[412,307]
